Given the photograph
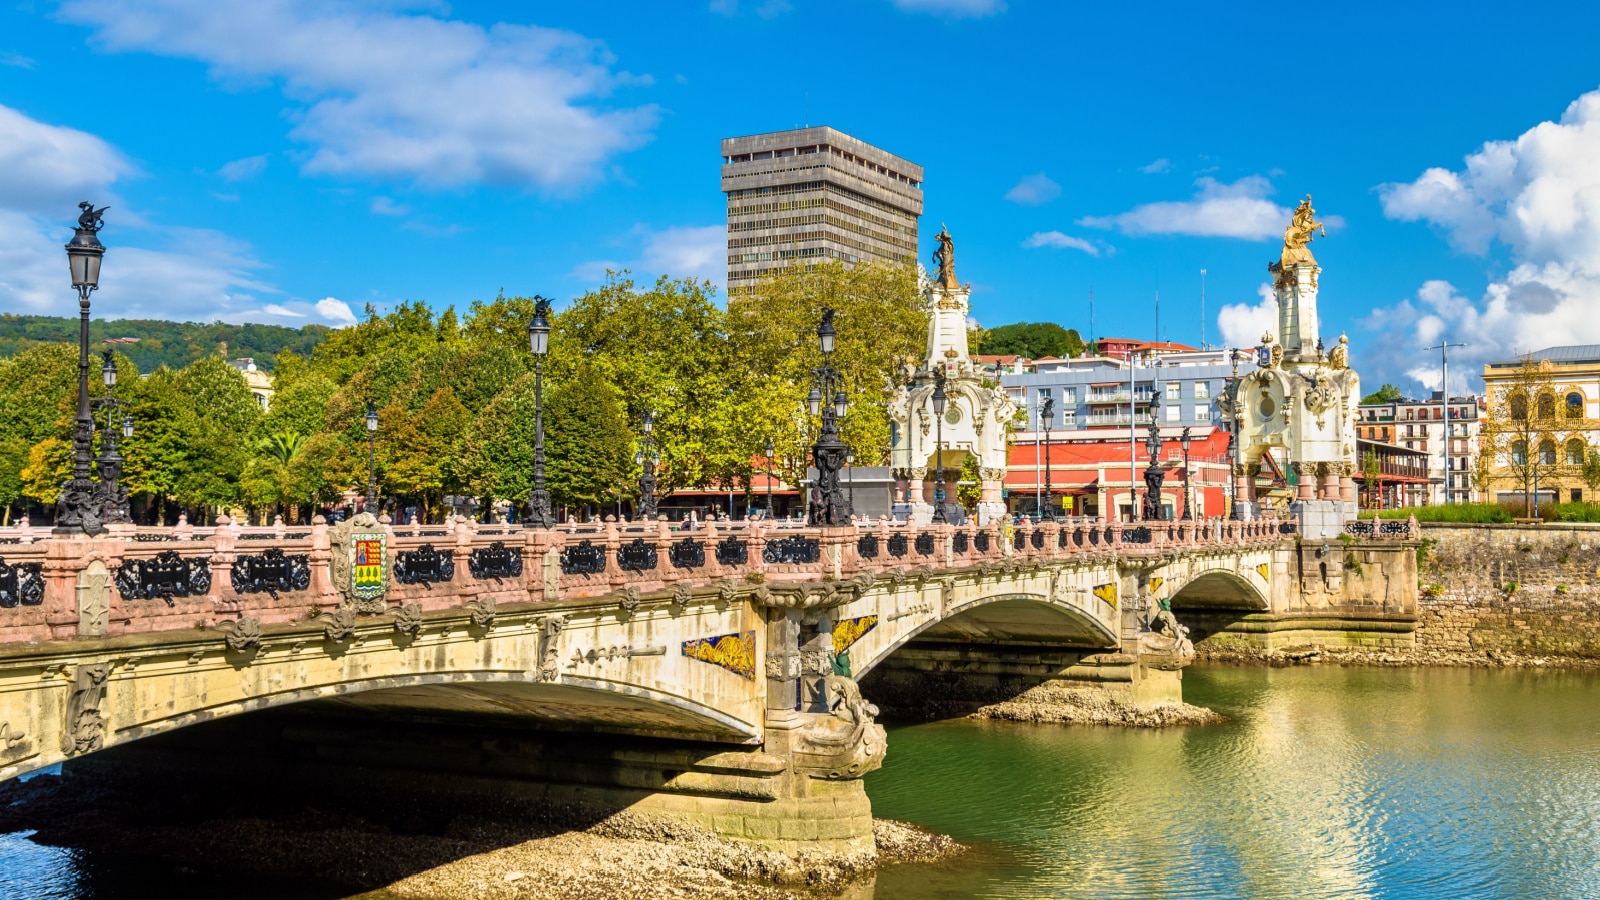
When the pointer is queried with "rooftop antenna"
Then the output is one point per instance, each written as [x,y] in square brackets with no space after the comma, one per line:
[1091,318]
[1158,315]
[808,109]
[1202,309]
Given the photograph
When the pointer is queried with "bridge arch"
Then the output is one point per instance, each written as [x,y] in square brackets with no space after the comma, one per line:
[1018,617]
[1220,588]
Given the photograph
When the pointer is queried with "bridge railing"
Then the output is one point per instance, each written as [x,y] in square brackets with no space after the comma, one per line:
[54,588]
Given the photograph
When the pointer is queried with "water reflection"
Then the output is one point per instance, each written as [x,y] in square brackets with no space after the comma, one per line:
[1330,783]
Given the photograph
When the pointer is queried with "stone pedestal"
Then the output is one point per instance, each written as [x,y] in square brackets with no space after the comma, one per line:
[1319,520]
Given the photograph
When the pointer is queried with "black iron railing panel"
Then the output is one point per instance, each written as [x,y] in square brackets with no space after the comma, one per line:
[1036,538]
[425,565]
[166,576]
[924,544]
[687,554]
[959,542]
[898,545]
[636,556]
[1139,535]
[271,572]
[584,558]
[981,541]
[792,551]
[495,562]
[20,584]
[867,546]
[733,552]
[1393,527]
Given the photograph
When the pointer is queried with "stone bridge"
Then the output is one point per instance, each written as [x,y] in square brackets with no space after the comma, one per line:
[706,674]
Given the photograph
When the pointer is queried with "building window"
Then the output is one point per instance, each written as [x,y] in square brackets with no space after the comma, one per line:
[1174,390]
[1519,453]
[1069,395]
[1547,406]
[1202,390]
[1574,405]
[1547,452]
[1174,414]
[1202,414]
[1575,454]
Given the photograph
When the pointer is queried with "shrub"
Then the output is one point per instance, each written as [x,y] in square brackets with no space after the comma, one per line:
[1509,588]
[1561,588]
[1432,591]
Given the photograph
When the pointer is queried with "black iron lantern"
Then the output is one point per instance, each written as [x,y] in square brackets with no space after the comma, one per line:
[814,401]
[649,422]
[539,332]
[841,404]
[826,333]
[940,400]
[85,251]
[108,371]
[127,426]
[372,416]
[1047,412]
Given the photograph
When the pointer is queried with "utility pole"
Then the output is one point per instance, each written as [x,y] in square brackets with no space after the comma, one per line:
[1202,309]
[1444,402]
[1158,315]
[1091,319]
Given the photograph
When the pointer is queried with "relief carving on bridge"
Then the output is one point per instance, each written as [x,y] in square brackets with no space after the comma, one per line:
[241,635]
[550,628]
[14,744]
[1164,642]
[407,618]
[84,730]
[94,600]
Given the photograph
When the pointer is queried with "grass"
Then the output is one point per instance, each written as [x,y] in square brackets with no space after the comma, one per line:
[1491,513]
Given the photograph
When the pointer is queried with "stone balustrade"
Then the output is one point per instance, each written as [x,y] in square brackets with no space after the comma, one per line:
[161,579]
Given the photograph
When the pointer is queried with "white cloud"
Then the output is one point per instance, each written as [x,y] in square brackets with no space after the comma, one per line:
[1538,198]
[46,169]
[1237,210]
[335,311]
[1060,241]
[1034,190]
[17,60]
[956,9]
[242,169]
[384,206]
[1157,167]
[1243,324]
[389,93]
[685,251]
[276,309]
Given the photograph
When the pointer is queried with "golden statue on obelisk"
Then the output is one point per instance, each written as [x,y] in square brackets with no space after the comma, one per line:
[1299,234]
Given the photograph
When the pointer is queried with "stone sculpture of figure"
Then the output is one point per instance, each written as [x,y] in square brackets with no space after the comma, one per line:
[1340,357]
[1299,234]
[945,257]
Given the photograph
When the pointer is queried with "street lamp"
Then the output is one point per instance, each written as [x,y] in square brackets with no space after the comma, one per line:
[77,509]
[1188,495]
[940,401]
[647,459]
[1047,417]
[372,468]
[113,499]
[850,457]
[539,514]
[769,477]
[1153,476]
[828,399]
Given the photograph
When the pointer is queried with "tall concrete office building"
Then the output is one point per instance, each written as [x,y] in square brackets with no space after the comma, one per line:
[812,194]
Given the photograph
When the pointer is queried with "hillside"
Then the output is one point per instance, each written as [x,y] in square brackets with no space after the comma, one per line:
[175,344]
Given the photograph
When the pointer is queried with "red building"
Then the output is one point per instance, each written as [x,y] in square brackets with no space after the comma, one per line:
[1090,473]
[1119,348]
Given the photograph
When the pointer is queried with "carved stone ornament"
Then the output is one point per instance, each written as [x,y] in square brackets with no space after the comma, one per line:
[14,743]
[339,625]
[1321,396]
[85,726]
[628,598]
[783,666]
[846,743]
[408,618]
[550,628]
[241,635]
[359,562]
[728,590]
[682,595]
[482,610]
[1164,643]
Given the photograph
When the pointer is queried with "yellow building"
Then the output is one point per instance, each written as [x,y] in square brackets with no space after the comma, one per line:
[260,382]
[1542,421]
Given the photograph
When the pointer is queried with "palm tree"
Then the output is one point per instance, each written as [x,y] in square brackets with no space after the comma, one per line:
[281,445]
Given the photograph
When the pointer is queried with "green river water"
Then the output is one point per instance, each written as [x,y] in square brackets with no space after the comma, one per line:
[1327,783]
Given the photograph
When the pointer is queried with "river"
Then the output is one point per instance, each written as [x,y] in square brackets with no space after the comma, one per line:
[1327,783]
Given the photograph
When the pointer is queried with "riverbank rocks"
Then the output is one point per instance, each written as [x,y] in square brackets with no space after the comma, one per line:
[1054,703]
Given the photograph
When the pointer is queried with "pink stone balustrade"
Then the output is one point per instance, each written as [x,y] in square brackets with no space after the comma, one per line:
[772,552]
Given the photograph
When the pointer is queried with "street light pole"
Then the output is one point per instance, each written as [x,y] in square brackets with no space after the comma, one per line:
[1047,417]
[539,512]
[1444,401]
[828,400]
[850,471]
[113,498]
[372,469]
[75,510]
[769,479]
[940,400]
[647,459]
[1188,494]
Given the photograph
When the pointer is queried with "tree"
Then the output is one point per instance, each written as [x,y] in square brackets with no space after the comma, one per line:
[1034,340]
[13,459]
[1521,428]
[881,323]
[1591,473]
[1386,394]
[420,451]
[591,447]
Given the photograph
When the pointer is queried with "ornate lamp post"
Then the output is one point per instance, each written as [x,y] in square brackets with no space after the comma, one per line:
[372,467]
[647,457]
[827,399]
[1047,417]
[113,498]
[1153,476]
[769,478]
[539,514]
[1188,493]
[940,401]
[76,510]
[850,458]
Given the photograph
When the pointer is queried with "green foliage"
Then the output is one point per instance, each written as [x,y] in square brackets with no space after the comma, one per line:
[1033,340]
[591,446]
[1386,394]
[1491,513]
[161,343]
[1561,588]
[969,488]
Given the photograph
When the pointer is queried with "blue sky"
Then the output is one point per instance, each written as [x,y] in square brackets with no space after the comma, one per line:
[291,162]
